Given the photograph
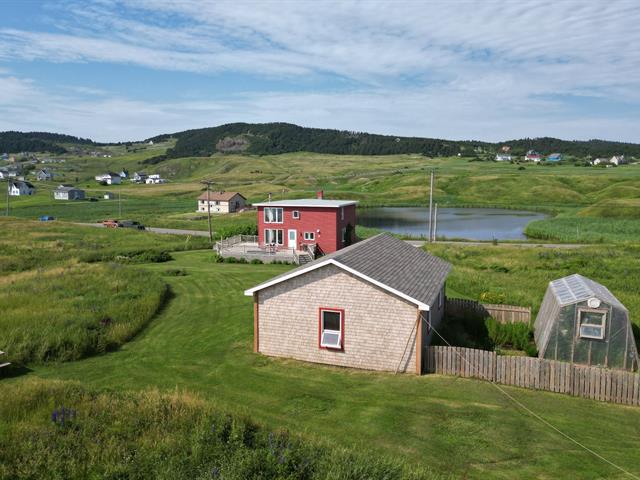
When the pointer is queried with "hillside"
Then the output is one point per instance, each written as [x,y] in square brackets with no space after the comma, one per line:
[38,142]
[277,138]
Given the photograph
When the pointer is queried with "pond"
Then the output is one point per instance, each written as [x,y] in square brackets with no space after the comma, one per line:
[469,223]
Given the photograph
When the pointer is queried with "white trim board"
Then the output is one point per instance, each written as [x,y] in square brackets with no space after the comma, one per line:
[421,306]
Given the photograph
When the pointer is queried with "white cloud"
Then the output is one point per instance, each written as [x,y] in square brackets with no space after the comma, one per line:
[465,69]
[443,113]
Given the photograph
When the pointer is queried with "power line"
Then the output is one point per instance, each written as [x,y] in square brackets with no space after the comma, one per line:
[537,416]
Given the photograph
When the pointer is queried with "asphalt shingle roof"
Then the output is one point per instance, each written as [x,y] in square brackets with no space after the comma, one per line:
[391,262]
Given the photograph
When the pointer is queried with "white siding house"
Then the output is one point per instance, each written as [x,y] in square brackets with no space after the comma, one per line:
[18,188]
[221,202]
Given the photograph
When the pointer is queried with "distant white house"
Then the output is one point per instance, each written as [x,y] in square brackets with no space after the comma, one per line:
[503,157]
[533,156]
[150,142]
[155,178]
[68,192]
[124,173]
[18,188]
[599,161]
[44,175]
[139,177]
[109,178]
[108,196]
[618,160]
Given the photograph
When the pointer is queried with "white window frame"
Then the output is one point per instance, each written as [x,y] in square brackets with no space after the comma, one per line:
[602,326]
[341,213]
[344,235]
[339,332]
[275,234]
[278,212]
[309,236]
[295,214]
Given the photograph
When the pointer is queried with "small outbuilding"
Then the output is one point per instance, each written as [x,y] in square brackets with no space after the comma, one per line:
[221,202]
[371,305]
[581,321]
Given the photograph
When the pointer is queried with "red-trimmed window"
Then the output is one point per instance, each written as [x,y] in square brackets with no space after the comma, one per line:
[331,328]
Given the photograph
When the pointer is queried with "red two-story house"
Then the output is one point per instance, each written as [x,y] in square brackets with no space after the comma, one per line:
[325,225]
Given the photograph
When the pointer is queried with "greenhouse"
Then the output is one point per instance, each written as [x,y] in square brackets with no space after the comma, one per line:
[580,321]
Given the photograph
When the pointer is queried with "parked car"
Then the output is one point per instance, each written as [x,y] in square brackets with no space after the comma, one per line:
[131,224]
[111,223]
[46,218]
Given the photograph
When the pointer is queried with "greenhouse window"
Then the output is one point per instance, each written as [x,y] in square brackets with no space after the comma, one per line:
[592,323]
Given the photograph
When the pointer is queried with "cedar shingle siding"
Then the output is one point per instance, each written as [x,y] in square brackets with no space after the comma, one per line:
[377,325]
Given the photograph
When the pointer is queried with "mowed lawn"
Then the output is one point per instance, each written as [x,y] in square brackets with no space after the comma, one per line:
[202,343]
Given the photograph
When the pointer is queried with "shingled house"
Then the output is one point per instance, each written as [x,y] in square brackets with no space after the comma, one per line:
[370,305]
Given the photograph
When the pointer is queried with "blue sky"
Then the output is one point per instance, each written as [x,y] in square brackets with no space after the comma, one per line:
[489,70]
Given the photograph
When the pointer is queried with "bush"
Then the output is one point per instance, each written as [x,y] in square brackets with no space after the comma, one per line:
[515,335]
[176,272]
[495,298]
[256,261]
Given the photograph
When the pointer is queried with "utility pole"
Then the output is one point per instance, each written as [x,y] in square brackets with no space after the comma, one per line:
[120,201]
[430,207]
[435,222]
[8,194]
[208,183]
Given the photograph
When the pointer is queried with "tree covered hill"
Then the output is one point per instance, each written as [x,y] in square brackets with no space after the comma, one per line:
[276,138]
[37,142]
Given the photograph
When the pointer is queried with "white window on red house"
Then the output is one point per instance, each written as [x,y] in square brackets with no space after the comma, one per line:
[344,235]
[341,213]
[272,236]
[331,328]
[272,215]
[295,214]
[309,236]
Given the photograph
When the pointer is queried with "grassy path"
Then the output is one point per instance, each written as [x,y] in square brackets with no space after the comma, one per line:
[201,342]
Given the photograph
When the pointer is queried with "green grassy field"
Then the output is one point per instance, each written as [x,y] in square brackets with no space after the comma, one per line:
[66,313]
[592,199]
[202,343]
[26,245]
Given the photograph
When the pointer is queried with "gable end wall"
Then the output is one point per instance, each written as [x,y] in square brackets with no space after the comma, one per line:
[378,326]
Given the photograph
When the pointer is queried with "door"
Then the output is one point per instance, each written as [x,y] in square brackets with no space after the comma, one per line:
[292,237]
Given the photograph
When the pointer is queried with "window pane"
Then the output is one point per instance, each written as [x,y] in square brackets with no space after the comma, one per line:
[278,215]
[280,241]
[592,318]
[331,321]
[589,331]
[330,339]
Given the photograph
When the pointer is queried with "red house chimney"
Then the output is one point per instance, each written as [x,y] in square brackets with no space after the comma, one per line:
[320,194]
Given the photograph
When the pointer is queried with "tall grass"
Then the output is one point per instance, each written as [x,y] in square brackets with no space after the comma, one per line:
[162,436]
[70,312]
[25,245]
[585,230]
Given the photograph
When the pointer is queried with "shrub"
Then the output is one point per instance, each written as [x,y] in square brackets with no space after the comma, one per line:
[176,272]
[515,335]
[492,297]
[256,261]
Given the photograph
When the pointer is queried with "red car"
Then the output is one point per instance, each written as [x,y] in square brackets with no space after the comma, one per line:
[111,223]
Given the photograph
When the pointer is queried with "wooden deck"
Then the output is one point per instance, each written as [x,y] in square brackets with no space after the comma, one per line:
[247,247]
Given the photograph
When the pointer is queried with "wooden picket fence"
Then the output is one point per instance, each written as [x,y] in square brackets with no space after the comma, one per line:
[615,386]
[502,313]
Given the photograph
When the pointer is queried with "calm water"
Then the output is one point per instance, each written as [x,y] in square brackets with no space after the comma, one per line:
[470,223]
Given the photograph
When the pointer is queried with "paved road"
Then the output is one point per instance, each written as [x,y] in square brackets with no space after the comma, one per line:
[168,231]
[415,243]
